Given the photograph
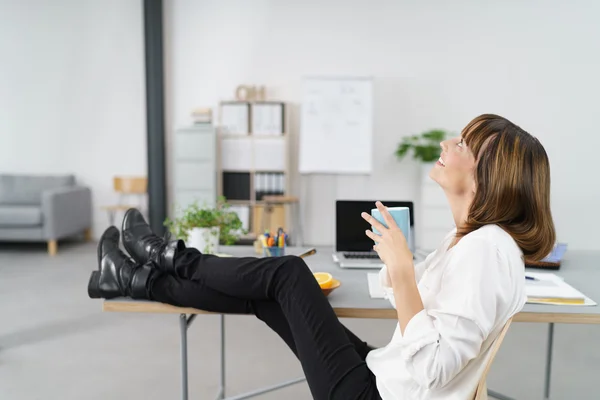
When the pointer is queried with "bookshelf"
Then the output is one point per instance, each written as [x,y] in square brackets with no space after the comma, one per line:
[193,167]
[253,161]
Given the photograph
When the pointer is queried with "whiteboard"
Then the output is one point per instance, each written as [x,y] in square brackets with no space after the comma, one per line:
[336,126]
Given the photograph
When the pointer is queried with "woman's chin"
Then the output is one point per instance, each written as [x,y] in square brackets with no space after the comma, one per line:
[434,174]
[439,179]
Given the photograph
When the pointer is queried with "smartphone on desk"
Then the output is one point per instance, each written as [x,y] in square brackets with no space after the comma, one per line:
[307,253]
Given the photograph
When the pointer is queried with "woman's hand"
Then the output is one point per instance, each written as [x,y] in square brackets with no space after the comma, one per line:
[391,245]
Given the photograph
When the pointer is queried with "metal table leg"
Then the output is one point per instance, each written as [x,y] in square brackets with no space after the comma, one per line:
[184,323]
[549,361]
[184,371]
[548,376]
[221,392]
[498,396]
[222,355]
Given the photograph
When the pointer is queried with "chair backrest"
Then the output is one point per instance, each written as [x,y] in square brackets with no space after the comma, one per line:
[130,185]
[481,393]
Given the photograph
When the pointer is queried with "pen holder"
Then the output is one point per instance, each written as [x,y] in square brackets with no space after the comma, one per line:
[274,251]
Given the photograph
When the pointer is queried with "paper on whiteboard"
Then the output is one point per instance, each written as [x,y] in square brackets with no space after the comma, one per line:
[336,126]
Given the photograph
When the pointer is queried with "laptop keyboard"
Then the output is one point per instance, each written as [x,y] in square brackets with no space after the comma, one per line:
[361,255]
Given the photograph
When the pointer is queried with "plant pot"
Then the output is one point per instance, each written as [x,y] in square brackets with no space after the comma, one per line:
[206,240]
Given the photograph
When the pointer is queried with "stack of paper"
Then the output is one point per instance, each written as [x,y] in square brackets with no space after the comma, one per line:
[376,291]
[547,288]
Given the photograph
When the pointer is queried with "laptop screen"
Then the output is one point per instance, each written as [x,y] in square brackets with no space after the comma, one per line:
[350,226]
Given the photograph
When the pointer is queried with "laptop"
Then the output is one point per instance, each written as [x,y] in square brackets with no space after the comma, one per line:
[353,248]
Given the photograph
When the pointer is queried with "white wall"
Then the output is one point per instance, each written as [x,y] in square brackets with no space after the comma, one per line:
[72,94]
[436,64]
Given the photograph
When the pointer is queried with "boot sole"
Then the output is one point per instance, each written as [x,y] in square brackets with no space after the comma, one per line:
[94,286]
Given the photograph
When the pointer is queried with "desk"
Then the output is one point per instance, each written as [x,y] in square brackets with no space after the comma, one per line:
[352,300]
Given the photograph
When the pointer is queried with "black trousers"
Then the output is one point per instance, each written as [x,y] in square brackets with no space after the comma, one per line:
[282,292]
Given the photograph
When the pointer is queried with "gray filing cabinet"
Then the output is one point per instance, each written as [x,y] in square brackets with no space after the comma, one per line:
[194,167]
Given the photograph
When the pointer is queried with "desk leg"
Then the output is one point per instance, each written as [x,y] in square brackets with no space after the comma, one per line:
[498,396]
[549,361]
[221,393]
[183,325]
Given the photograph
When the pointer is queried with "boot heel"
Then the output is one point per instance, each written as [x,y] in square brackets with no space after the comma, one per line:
[94,286]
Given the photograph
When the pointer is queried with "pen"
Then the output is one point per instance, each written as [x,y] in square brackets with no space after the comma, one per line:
[530,278]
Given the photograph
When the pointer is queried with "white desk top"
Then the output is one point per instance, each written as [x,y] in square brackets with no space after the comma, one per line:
[352,299]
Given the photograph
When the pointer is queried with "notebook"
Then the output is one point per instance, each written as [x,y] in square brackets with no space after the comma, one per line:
[547,288]
[376,291]
[552,260]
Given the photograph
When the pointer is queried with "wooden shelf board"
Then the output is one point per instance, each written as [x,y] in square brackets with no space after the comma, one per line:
[246,202]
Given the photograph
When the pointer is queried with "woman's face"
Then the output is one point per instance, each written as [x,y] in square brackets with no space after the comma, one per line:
[455,170]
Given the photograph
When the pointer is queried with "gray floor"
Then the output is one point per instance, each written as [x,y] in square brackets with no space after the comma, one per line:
[55,343]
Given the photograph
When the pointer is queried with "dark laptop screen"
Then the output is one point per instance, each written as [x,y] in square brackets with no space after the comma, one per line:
[350,226]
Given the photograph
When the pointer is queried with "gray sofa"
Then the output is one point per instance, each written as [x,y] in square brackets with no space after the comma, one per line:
[43,208]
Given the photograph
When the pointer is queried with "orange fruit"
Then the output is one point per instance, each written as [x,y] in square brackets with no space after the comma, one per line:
[324,279]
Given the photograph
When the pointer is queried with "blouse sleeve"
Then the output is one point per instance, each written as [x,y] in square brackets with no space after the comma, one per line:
[439,341]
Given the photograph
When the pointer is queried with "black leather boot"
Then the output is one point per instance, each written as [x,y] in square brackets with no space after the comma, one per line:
[118,275]
[143,245]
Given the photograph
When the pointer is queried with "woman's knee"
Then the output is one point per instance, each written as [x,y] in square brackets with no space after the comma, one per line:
[295,264]
[294,270]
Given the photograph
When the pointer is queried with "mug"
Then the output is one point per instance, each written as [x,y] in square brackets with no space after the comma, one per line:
[400,215]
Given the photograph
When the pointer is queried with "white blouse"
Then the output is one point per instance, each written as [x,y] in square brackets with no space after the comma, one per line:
[469,292]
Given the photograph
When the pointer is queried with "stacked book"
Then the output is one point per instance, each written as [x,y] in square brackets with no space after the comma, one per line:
[546,288]
[552,260]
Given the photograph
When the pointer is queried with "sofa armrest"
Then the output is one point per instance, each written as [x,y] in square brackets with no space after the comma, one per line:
[66,211]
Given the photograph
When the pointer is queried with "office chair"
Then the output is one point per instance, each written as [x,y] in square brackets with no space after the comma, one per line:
[481,393]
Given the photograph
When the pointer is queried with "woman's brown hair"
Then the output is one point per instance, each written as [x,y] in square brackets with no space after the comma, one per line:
[513,184]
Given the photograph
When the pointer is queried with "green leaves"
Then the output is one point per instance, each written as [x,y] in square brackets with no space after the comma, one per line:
[195,216]
[436,135]
[425,147]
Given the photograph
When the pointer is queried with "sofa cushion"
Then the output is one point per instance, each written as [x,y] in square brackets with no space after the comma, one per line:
[26,190]
[20,216]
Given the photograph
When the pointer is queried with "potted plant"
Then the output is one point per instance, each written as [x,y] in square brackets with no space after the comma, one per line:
[205,227]
[425,147]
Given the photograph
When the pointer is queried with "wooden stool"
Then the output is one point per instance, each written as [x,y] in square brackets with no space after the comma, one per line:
[126,187]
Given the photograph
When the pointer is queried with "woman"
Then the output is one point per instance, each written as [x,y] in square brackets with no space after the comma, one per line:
[450,307]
